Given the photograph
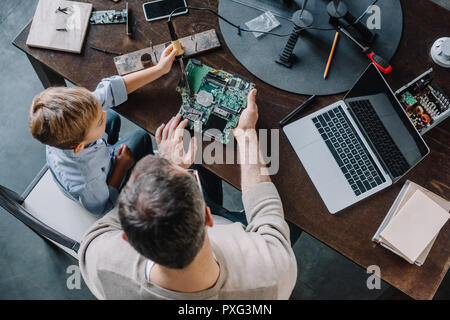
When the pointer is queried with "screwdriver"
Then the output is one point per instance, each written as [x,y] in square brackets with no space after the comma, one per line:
[180,53]
[379,62]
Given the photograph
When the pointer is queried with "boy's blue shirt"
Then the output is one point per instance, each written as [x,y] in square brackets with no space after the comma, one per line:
[83,176]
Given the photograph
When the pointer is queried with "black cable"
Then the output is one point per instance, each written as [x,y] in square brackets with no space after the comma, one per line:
[303,7]
[239,28]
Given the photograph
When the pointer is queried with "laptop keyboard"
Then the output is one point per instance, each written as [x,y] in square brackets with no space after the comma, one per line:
[378,134]
[348,150]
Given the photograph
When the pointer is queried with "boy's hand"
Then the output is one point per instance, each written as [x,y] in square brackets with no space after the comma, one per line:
[138,79]
[169,138]
[167,59]
[124,162]
[124,158]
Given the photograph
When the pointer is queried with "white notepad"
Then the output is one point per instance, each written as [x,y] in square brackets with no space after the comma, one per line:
[415,226]
[47,19]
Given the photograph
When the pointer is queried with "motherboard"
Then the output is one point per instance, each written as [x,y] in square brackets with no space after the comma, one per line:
[215,101]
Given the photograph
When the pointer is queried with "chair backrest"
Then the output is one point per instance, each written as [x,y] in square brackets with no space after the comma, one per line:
[12,203]
[45,209]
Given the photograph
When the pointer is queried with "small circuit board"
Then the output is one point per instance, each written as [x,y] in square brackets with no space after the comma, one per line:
[215,102]
[109,17]
[425,102]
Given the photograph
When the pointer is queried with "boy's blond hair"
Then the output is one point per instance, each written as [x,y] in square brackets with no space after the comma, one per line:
[61,116]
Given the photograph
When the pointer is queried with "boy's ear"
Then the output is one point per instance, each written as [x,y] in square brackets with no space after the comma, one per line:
[124,236]
[78,148]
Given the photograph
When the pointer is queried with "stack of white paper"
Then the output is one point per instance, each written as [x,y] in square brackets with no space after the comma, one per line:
[413,223]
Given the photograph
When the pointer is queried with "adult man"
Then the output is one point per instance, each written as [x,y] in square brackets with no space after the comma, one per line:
[165,244]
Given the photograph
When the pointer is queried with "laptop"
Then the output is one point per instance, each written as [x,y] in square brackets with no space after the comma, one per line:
[358,146]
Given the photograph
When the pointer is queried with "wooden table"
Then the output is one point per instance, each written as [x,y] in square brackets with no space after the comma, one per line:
[348,232]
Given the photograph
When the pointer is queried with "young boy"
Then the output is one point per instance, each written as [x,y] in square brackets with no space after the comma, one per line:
[83,152]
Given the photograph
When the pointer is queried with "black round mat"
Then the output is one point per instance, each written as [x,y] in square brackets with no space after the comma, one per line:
[313,47]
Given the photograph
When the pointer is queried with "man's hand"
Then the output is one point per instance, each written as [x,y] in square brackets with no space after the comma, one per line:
[253,169]
[166,60]
[169,138]
[249,116]
[124,158]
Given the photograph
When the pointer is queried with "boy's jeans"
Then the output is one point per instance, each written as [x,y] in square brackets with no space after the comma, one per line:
[138,141]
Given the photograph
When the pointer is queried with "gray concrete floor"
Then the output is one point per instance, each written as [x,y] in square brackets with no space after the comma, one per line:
[34,269]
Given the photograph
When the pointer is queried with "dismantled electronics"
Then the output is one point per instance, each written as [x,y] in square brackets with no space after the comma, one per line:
[424,101]
[215,101]
[109,17]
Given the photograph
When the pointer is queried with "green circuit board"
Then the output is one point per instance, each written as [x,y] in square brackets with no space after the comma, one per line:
[215,102]
[109,17]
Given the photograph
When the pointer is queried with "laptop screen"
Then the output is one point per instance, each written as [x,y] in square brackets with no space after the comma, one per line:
[384,123]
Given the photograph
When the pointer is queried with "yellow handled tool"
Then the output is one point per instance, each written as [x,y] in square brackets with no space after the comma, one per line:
[177,46]
[180,52]
[175,42]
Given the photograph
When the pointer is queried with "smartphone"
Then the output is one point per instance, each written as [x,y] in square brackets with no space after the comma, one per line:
[160,9]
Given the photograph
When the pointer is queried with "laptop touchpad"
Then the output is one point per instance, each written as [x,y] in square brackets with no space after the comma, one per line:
[320,164]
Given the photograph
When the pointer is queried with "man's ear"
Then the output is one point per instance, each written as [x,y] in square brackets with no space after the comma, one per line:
[208,217]
[78,148]
[124,236]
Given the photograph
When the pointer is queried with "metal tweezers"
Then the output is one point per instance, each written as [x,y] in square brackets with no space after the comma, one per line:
[63,10]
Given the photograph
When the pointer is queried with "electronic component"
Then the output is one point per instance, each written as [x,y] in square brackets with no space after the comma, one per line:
[205,98]
[192,117]
[196,62]
[216,100]
[216,80]
[425,102]
[214,127]
[425,118]
[192,110]
[109,17]
[409,99]
[233,111]
[222,112]
[215,122]
[242,78]
[112,17]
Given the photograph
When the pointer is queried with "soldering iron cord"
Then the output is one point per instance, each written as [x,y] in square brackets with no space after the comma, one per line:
[239,28]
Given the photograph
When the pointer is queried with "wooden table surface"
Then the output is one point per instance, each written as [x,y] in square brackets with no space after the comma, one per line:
[350,231]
